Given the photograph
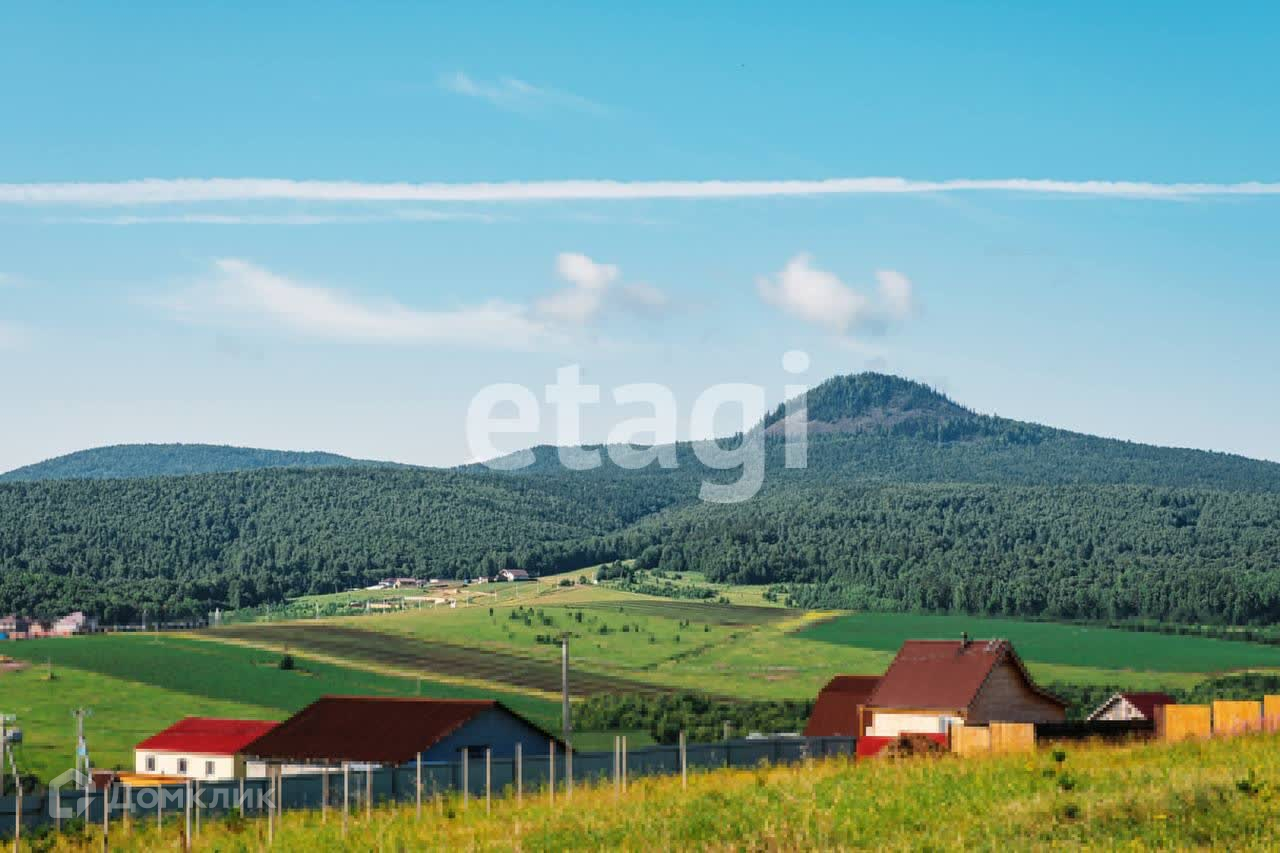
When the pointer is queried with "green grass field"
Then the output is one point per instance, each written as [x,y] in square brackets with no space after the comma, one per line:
[124,712]
[1047,642]
[621,642]
[1218,794]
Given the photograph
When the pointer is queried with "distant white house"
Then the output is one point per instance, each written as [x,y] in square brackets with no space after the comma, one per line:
[514,575]
[199,748]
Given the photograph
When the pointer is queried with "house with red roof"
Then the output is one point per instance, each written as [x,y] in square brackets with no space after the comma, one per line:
[204,748]
[933,684]
[386,731]
[1132,706]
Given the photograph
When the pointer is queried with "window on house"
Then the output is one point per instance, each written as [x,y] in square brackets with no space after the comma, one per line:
[182,765]
[208,768]
[151,763]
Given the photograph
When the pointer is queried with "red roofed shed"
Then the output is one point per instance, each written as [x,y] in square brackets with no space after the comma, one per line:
[839,707]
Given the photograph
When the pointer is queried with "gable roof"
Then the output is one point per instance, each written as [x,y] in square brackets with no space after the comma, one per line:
[836,710]
[945,674]
[207,736]
[371,728]
[1145,702]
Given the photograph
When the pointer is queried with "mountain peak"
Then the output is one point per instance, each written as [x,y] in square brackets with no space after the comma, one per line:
[872,402]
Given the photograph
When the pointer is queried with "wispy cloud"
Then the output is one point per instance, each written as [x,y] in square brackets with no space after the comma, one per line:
[822,299]
[202,190]
[287,219]
[244,294]
[514,94]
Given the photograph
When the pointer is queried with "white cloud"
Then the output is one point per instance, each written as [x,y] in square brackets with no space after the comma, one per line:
[245,294]
[591,289]
[242,294]
[202,190]
[514,94]
[295,219]
[644,296]
[821,298]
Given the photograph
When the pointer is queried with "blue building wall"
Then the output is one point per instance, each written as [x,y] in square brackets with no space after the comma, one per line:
[497,729]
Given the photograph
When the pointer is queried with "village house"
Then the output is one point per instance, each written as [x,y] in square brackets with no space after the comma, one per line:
[202,748]
[1132,706]
[374,730]
[73,623]
[933,684]
[514,575]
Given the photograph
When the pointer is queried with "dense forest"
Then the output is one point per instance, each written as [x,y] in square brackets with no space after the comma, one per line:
[909,502]
[169,460]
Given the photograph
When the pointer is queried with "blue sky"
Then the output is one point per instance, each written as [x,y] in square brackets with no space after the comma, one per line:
[361,278]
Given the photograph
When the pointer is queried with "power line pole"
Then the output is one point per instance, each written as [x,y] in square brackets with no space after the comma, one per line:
[82,746]
[564,687]
[5,728]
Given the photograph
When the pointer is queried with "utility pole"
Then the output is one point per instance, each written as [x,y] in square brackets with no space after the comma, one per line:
[82,747]
[564,687]
[6,726]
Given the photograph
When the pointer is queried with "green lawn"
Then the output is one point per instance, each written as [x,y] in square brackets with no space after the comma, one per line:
[1051,643]
[124,712]
[145,682]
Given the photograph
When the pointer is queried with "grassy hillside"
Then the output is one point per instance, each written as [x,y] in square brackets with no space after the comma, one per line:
[1213,794]
[168,460]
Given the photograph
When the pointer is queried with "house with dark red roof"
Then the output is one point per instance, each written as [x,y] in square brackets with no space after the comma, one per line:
[200,748]
[392,731]
[838,710]
[1132,706]
[933,684]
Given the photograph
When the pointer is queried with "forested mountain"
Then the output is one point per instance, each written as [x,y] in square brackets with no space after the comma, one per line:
[166,460]
[908,501]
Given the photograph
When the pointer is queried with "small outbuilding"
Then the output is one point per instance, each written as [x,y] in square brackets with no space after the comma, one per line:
[933,684]
[1132,706]
[204,748]
[838,709]
[376,730]
[514,575]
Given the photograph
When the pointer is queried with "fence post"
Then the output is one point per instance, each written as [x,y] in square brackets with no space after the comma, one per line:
[488,771]
[368,790]
[106,815]
[186,809]
[346,799]
[240,803]
[324,794]
[616,781]
[568,770]
[519,773]
[271,805]
[17,817]
[128,807]
[624,764]
[684,762]
[197,807]
[159,807]
[551,772]
[466,772]
[418,783]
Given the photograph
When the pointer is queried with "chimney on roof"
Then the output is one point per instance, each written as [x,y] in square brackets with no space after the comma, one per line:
[964,640]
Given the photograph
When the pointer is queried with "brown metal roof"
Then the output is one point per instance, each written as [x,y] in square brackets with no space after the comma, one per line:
[944,675]
[836,711]
[369,728]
